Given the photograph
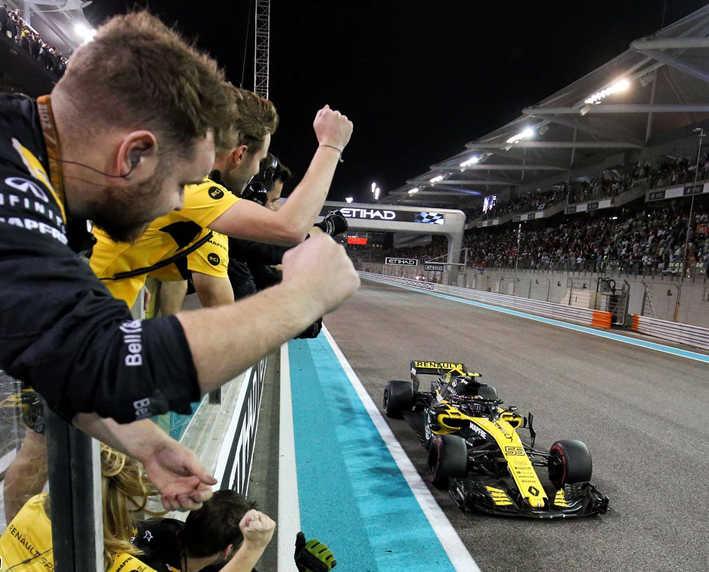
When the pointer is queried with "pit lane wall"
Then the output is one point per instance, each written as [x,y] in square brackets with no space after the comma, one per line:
[672,331]
[223,434]
[582,316]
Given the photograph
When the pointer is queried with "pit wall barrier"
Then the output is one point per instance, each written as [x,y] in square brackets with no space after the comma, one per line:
[582,316]
[672,331]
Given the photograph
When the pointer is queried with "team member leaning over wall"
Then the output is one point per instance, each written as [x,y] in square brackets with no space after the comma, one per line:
[26,544]
[136,117]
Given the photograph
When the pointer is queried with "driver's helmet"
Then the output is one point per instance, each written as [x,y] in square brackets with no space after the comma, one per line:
[465,387]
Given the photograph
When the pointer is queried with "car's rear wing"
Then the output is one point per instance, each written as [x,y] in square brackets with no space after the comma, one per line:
[424,367]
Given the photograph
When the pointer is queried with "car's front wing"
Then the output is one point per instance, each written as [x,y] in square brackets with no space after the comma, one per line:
[572,501]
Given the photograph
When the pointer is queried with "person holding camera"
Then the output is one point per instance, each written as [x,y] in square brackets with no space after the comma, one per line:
[252,264]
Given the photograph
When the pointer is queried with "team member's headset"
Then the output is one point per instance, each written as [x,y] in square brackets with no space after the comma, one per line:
[257,188]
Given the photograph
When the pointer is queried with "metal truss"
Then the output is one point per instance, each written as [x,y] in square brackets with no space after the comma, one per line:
[261,48]
[617,108]
[656,50]
[556,145]
[484,167]
[463,182]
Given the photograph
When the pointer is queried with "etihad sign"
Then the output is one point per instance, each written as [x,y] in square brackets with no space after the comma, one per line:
[368,214]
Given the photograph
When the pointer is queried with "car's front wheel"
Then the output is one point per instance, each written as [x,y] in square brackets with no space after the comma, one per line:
[569,463]
[398,396]
[447,458]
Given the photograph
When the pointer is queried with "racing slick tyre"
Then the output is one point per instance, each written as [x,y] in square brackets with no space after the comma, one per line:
[398,396]
[487,392]
[447,458]
[569,463]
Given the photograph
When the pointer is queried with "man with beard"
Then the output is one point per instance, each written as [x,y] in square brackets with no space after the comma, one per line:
[162,251]
[134,120]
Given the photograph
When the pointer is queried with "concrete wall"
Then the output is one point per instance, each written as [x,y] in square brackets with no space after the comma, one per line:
[568,287]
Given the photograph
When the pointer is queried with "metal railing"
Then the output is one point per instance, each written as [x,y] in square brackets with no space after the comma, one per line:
[672,331]
[583,316]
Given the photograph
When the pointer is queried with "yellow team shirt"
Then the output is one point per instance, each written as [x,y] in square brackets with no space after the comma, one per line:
[167,235]
[28,540]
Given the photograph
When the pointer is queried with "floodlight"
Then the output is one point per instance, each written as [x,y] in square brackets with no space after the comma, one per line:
[86,33]
[349,199]
[474,160]
[525,134]
[437,179]
[620,85]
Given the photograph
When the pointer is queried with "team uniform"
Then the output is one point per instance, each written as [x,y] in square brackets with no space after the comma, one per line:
[26,544]
[61,330]
[170,235]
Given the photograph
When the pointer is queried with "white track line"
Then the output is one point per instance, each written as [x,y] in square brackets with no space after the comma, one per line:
[457,552]
[288,502]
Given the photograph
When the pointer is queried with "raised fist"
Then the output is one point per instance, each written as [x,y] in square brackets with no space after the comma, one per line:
[332,128]
[257,529]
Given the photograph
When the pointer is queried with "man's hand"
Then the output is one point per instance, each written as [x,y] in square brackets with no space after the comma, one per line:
[332,128]
[257,529]
[320,266]
[178,474]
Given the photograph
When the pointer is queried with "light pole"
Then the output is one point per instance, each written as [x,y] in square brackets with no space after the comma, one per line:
[519,239]
[375,191]
[689,223]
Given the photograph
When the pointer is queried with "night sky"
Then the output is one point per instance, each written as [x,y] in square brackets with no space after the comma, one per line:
[419,80]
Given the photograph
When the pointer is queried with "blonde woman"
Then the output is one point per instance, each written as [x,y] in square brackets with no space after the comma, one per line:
[26,545]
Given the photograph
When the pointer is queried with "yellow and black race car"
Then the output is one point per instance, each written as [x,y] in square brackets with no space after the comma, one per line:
[475,451]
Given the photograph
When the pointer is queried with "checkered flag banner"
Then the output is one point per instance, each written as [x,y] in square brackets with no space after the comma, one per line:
[430,218]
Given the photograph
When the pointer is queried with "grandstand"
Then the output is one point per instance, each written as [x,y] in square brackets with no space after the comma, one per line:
[599,177]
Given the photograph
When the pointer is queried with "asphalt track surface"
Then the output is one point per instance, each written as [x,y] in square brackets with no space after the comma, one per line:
[643,414]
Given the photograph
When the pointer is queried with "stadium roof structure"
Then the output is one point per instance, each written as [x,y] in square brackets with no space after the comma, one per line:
[56,21]
[654,93]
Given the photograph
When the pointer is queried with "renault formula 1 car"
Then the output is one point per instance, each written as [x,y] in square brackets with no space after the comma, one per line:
[475,451]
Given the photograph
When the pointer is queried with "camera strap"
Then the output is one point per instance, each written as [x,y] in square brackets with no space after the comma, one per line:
[174,258]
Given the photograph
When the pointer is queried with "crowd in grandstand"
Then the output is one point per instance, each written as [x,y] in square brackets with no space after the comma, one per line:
[15,28]
[639,241]
[657,174]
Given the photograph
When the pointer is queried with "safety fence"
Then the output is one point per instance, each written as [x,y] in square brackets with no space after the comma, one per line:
[583,316]
[221,432]
[672,331]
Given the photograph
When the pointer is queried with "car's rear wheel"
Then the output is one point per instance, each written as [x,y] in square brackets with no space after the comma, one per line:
[447,458]
[398,396]
[569,463]
[487,392]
